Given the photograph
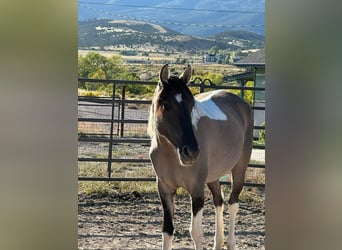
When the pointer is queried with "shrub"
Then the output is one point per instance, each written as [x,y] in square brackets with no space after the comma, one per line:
[249,94]
[262,134]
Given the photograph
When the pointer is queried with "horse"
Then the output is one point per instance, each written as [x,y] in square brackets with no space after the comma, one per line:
[195,140]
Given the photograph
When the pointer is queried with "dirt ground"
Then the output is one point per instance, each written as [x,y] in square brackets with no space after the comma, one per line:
[133,221]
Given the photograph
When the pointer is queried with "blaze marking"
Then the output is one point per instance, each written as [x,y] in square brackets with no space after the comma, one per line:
[179,98]
[207,107]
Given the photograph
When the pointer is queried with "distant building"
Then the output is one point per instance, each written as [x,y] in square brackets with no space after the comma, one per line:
[210,58]
[214,58]
[255,62]
[236,59]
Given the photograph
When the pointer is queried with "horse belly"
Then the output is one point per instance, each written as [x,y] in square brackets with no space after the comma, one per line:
[221,163]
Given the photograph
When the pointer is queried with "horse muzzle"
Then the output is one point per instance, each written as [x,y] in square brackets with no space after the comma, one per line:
[188,156]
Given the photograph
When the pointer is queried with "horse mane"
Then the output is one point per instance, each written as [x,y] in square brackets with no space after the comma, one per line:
[151,127]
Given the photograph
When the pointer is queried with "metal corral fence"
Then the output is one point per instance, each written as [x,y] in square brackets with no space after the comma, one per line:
[112,140]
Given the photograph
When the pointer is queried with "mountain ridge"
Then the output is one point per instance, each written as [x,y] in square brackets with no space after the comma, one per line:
[191,17]
[109,34]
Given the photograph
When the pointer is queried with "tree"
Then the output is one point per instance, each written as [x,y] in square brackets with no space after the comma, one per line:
[249,94]
[229,59]
[89,65]
[99,74]
[215,78]
[214,50]
[93,65]
[262,134]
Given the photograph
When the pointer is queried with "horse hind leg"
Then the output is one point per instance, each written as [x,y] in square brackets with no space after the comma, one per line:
[215,189]
[238,178]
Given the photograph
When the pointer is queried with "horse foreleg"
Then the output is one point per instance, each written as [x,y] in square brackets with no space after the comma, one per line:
[166,196]
[196,228]
[168,229]
[215,189]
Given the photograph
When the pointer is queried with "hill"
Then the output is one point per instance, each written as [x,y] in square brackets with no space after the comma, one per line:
[241,38]
[113,34]
[207,16]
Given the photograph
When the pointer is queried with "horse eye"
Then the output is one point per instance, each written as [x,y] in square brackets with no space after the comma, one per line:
[166,106]
[164,103]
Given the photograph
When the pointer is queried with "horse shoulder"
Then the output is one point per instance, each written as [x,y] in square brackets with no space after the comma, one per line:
[234,106]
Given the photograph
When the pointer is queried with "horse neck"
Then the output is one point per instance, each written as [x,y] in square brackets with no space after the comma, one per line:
[151,127]
[163,144]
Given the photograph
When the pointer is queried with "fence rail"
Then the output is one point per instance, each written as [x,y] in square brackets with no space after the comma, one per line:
[104,121]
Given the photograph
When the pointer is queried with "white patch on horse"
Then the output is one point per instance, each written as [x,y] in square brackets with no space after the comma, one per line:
[233,209]
[207,107]
[167,241]
[196,229]
[179,97]
[219,228]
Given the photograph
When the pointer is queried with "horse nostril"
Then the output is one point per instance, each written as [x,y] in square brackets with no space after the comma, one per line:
[186,151]
[188,155]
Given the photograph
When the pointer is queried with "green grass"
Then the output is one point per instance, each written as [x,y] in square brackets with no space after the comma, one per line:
[104,189]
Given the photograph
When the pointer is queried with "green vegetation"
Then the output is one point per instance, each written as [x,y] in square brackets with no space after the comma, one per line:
[96,66]
[214,50]
[218,79]
[104,189]
[262,134]
[248,95]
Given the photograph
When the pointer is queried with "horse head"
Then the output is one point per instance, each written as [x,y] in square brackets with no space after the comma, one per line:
[173,104]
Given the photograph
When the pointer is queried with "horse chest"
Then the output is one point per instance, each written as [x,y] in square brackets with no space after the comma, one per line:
[167,168]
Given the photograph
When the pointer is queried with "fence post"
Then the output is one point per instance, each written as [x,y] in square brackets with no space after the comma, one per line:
[110,150]
[123,110]
[201,86]
[242,91]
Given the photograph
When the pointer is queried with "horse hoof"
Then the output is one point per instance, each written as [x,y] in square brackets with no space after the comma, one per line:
[217,248]
[231,245]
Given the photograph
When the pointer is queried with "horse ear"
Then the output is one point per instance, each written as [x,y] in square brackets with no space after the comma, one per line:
[186,76]
[164,74]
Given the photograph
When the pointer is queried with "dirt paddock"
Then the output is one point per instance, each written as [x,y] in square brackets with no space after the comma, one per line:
[133,221]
